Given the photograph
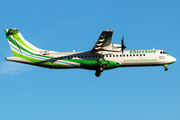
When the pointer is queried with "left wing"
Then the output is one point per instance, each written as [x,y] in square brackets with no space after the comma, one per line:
[103,41]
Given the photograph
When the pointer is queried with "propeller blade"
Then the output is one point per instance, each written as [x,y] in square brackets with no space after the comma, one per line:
[122,43]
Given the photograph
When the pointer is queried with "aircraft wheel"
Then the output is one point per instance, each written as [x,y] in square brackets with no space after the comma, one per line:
[166,69]
[97,73]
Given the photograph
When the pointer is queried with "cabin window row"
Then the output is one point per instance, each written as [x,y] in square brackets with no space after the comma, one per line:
[99,56]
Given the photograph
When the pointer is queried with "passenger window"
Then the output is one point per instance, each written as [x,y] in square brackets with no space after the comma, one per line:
[136,54]
[109,55]
[123,55]
[144,54]
[113,55]
[106,55]
[116,55]
[130,55]
[120,55]
[140,54]
[103,55]
[127,55]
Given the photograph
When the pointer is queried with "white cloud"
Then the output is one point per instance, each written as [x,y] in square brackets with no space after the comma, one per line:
[12,68]
[24,95]
[79,20]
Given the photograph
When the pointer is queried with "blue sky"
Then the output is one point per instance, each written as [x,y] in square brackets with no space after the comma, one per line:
[144,93]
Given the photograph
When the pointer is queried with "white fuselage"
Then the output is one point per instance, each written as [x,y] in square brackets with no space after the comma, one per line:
[128,58]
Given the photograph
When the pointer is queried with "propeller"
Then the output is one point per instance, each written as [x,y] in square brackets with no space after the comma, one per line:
[122,43]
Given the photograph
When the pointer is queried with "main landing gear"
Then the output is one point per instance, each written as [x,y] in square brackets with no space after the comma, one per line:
[98,73]
[101,69]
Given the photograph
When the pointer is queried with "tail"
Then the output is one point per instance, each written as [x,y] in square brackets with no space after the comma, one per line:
[19,45]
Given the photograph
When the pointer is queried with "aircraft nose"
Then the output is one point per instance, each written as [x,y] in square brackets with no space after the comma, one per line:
[173,59]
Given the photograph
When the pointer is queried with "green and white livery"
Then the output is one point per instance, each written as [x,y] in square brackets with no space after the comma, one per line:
[103,55]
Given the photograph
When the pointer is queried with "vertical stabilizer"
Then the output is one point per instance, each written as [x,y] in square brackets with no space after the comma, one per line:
[18,44]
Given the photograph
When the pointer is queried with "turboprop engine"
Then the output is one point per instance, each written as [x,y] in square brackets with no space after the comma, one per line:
[113,47]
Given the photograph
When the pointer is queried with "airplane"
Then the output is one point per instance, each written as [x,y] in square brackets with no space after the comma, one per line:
[103,56]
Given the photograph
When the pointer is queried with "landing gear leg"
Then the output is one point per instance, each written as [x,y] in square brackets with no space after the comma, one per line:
[98,73]
[101,68]
[166,69]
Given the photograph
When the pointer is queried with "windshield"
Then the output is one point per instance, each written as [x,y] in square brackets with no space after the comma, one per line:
[163,52]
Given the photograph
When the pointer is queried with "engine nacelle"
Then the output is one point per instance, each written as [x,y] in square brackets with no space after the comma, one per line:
[112,47]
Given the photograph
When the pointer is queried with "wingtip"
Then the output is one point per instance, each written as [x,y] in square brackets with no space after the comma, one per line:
[109,30]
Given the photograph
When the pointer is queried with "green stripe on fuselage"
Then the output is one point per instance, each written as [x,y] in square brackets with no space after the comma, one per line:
[42,63]
[93,64]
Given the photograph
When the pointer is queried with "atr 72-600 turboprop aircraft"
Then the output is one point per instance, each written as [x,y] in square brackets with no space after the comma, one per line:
[103,55]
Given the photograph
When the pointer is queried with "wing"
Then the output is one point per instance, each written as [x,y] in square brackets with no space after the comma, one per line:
[103,41]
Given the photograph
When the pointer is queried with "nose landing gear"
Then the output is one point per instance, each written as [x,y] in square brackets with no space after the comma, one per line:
[166,69]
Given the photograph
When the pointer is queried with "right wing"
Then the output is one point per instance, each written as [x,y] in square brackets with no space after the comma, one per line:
[103,41]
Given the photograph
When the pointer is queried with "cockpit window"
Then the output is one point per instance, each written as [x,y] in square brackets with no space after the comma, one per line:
[163,52]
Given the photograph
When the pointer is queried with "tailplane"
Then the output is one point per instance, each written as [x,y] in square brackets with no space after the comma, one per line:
[19,45]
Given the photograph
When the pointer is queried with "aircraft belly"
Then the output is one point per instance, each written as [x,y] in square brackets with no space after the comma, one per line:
[61,64]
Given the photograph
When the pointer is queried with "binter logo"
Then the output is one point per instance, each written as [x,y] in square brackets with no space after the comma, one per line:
[142,51]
